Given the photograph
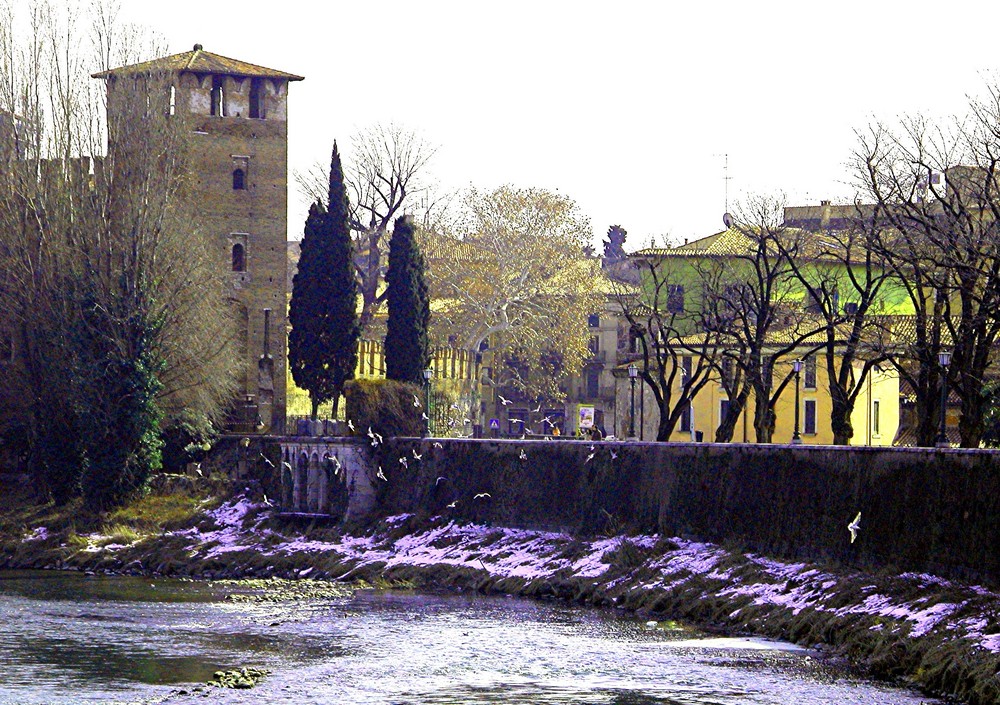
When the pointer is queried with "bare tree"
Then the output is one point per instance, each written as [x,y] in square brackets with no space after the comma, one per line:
[754,305]
[843,274]
[936,190]
[674,351]
[102,282]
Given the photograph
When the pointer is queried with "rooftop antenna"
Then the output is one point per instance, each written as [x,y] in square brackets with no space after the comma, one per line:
[725,179]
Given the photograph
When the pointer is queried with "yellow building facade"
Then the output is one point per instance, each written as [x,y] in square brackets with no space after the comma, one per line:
[875,418]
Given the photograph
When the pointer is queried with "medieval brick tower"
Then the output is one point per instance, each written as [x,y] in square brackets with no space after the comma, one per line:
[238,194]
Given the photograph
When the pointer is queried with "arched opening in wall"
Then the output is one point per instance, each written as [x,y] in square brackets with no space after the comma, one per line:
[313,487]
[301,480]
[239,180]
[287,482]
[239,258]
[218,96]
[172,101]
[325,477]
[257,98]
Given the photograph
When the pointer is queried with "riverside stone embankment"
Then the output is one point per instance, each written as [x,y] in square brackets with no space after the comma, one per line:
[938,634]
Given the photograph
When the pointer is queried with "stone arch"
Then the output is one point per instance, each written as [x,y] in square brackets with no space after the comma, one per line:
[312,493]
[326,477]
[287,481]
[301,478]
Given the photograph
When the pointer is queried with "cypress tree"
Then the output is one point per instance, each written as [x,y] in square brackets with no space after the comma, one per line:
[406,345]
[323,343]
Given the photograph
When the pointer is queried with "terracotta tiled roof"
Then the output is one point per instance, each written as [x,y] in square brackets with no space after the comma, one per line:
[822,245]
[200,61]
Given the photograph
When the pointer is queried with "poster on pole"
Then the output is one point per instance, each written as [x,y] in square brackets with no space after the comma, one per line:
[586,417]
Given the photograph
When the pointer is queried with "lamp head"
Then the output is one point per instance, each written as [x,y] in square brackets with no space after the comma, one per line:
[633,371]
[797,366]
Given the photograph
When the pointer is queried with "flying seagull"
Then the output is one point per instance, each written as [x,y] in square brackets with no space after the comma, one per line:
[854,527]
[482,494]
[452,505]
[589,458]
[523,455]
[416,401]
[350,424]
[416,455]
[438,481]
[403,462]
[437,444]
[267,460]
[381,475]
[503,400]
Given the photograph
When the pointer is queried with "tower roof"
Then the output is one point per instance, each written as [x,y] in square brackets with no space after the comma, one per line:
[200,61]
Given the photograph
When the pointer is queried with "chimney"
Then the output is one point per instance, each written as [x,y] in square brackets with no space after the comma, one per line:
[824,218]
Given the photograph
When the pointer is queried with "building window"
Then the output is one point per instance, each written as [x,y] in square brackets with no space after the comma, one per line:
[239,258]
[686,419]
[728,373]
[809,382]
[593,383]
[723,410]
[675,298]
[687,363]
[809,426]
[594,320]
[239,180]
[876,426]
[172,101]
[218,96]
[516,419]
[257,98]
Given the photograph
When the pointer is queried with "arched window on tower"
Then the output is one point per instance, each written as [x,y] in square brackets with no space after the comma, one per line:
[239,180]
[257,98]
[239,258]
[218,96]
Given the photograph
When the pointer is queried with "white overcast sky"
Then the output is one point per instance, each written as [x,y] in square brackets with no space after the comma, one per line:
[627,107]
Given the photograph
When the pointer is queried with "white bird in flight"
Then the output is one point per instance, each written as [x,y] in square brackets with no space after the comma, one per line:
[453,504]
[854,527]
[404,463]
[381,475]
[416,455]
[437,444]
[350,424]
[523,455]
[503,400]
[482,494]
[416,401]
[438,481]
[614,455]
[589,458]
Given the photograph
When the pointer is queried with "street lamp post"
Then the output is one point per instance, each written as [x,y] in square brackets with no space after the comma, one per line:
[428,373]
[796,438]
[633,372]
[944,359]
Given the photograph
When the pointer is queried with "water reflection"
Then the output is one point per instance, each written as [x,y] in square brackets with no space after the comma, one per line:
[79,639]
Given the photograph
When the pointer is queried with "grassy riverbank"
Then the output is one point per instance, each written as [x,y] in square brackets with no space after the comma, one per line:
[939,635]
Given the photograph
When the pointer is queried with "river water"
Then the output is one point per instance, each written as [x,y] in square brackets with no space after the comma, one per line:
[69,638]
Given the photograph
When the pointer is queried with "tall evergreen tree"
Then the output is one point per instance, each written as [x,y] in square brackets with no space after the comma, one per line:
[406,345]
[323,344]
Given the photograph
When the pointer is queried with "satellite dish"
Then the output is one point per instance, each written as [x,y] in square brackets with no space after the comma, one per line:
[727,219]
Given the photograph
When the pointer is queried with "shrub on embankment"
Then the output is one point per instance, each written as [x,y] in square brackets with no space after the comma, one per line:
[921,509]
